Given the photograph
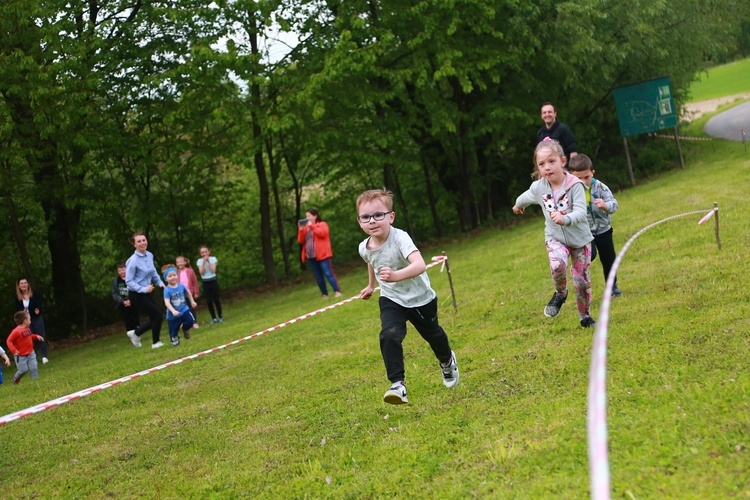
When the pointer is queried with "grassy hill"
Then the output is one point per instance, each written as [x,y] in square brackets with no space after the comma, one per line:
[297,412]
[724,80]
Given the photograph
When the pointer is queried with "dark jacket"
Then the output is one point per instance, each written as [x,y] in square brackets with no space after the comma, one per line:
[562,134]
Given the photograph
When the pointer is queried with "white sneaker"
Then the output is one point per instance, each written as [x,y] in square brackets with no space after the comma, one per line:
[157,345]
[45,360]
[134,339]
[450,371]
[396,395]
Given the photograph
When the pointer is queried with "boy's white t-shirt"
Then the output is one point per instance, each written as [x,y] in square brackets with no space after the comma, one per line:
[412,292]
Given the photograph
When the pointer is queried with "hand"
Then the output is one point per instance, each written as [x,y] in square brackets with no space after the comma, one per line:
[193,304]
[7,361]
[557,218]
[150,288]
[36,311]
[518,211]
[366,293]
[387,274]
[126,303]
[600,203]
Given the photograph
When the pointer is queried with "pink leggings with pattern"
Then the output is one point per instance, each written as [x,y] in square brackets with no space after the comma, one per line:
[558,264]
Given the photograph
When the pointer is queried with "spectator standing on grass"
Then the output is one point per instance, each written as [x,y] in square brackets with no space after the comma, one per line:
[566,230]
[140,276]
[21,345]
[187,277]
[6,360]
[556,130]
[314,236]
[31,302]
[600,204]
[395,263]
[176,299]
[207,269]
[121,296]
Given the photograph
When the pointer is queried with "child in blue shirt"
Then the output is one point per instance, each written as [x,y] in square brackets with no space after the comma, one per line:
[176,298]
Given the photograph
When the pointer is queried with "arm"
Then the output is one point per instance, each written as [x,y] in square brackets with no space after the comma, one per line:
[523,201]
[415,268]
[116,293]
[189,297]
[320,229]
[168,303]
[36,304]
[212,264]
[567,138]
[607,202]
[130,271]
[193,283]
[366,292]
[38,337]
[11,345]
[578,214]
[5,357]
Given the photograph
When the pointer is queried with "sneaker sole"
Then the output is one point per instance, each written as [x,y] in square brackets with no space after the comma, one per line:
[394,399]
[551,315]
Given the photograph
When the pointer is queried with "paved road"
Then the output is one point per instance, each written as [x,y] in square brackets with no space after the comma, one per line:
[730,123]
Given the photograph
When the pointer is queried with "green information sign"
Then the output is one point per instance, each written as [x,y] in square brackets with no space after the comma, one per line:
[645,107]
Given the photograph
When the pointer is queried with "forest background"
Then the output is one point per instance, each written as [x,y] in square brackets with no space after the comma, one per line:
[171,118]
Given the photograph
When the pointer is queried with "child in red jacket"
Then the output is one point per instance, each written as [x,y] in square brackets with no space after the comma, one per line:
[21,345]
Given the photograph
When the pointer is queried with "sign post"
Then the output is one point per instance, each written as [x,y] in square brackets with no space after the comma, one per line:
[645,107]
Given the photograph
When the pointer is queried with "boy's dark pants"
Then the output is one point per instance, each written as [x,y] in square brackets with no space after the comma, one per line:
[605,246]
[393,318]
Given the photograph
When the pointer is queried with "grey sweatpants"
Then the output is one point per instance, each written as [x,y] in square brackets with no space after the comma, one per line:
[27,364]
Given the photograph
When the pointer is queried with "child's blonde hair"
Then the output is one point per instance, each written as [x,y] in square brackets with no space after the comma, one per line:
[553,146]
[376,194]
[187,261]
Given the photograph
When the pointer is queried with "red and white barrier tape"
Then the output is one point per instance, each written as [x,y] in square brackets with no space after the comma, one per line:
[596,418]
[91,390]
[681,137]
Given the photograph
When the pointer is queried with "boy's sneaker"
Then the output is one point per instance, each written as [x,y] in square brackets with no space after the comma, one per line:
[450,371]
[396,395]
[588,322]
[16,380]
[616,292]
[134,339]
[186,333]
[175,341]
[213,321]
[45,360]
[221,320]
[552,308]
[157,345]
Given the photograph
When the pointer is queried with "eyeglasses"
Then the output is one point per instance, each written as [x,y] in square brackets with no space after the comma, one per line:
[377,216]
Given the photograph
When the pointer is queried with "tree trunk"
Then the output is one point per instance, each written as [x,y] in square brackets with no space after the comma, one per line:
[260,170]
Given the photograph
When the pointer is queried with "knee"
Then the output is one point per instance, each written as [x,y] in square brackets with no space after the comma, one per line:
[391,333]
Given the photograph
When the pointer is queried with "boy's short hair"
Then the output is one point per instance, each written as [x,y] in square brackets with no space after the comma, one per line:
[120,265]
[20,317]
[376,194]
[580,163]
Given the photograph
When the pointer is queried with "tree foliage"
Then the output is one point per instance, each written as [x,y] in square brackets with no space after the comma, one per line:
[169,117]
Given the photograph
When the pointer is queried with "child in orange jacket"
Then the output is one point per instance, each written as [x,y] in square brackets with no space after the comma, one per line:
[21,345]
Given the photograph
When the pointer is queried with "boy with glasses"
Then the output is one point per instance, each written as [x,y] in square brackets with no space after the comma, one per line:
[394,262]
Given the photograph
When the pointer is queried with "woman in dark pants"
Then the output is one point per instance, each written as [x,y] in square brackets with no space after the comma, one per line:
[140,276]
[27,300]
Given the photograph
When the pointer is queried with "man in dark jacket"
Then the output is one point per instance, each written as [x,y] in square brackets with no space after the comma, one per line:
[556,130]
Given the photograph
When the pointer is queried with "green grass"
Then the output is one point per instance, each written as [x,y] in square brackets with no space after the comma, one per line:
[297,412]
[720,81]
